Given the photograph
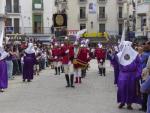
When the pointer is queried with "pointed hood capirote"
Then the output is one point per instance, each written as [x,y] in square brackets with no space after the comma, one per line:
[127,55]
[3,53]
[30,49]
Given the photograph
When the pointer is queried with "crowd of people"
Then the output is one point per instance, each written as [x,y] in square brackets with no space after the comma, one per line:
[14,60]
[131,63]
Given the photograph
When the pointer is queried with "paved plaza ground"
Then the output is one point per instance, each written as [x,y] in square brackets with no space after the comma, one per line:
[47,94]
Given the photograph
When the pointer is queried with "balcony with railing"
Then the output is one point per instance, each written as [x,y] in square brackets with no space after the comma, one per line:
[102,17]
[121,1]
[102,1]
[14,10]
[28,30]
[83,17]
[64,1]
[82,1]
[38,30]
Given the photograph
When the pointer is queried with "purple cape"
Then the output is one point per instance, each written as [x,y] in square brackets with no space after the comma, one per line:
[114,62]
[29,61]
[128,82]
[3,75]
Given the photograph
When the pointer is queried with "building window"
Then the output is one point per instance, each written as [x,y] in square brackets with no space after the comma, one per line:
[120,29]
[102,0]
[8,25]
[143,23]
[16,6]
[37,1]
[8,6]
[16,25]
[37,4]
[82,26]
[120,12]
[101,12]
[101,27]
[8,22]
[82,12]
[82,0]
[37,23]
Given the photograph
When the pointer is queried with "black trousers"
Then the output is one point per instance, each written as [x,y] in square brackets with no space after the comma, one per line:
[145,98]
[15,67]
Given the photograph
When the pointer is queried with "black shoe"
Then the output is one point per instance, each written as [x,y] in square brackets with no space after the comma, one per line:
[23,80]
[56,70]
[67,79]
[1,90]
[62,69]
[100,71]
[104,71]
[67,86]
[121,106]
[72,86]
[28,80]
[72,80]
[129,107]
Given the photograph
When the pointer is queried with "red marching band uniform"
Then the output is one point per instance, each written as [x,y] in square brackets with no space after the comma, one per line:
[82,58]
[56,59]
[81,62]
[100,54]
[67,54]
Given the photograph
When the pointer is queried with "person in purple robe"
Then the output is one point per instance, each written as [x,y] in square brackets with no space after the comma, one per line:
[29,61]
[129,75]
[3,70]
[114,63]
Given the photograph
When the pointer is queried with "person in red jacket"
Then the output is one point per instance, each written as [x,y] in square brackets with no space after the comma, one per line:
[56,58]
[61,49]
[81,61]
[67,53]
[100,55]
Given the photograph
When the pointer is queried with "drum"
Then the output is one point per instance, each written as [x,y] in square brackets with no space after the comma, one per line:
[79,64]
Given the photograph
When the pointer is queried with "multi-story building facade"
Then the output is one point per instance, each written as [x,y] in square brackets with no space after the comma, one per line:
[95,16]
[29,16]
[143,18]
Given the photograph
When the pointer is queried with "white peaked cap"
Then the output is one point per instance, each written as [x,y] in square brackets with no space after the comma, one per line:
[56,44]
[127,50]
[100,45]
[62,45]
[75,43]
[83,42]
[82,45]
[66,38]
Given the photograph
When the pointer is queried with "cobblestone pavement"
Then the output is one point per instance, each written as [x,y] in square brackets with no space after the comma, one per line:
[47,94]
